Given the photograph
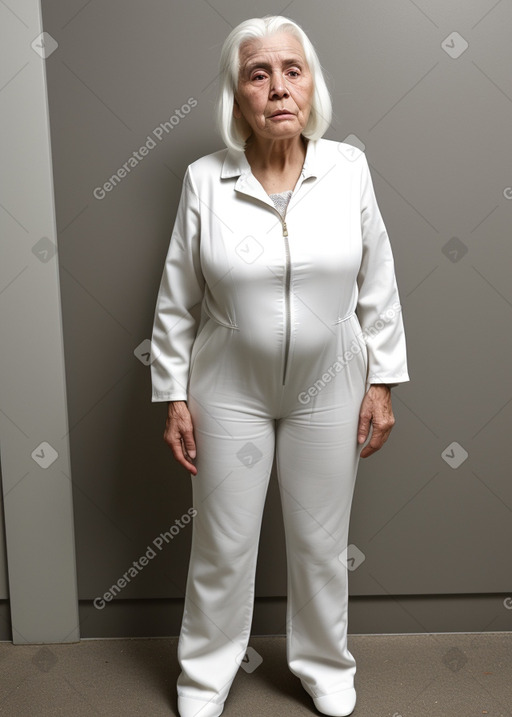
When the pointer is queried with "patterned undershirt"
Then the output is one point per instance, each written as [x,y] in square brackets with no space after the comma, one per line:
[281,200]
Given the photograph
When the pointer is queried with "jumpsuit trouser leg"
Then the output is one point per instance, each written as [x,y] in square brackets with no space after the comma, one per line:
[316,467]
[236,429]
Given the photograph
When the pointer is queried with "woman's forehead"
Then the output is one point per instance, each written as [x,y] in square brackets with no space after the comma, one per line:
[270,48]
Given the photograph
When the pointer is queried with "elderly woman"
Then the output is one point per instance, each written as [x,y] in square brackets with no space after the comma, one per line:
[277,326]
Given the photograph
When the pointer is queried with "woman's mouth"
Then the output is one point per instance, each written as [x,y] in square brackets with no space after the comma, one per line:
[281,113]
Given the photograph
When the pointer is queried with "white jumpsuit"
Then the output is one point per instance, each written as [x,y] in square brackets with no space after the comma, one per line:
[272,329]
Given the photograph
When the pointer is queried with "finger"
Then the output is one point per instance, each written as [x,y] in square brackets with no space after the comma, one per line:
[363,428]
[186,454]
[367,451]
[186,463]
[371,447]
[379,437]
[181,456]
[189,444]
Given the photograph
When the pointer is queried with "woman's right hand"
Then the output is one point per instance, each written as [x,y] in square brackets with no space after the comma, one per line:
[179,434]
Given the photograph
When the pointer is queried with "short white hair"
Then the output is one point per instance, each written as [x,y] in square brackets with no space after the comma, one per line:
[230,128]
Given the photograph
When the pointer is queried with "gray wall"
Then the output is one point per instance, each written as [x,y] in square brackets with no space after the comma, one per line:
[5,618]
[434,119]
[36,474]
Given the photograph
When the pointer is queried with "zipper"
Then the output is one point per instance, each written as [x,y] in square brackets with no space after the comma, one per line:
[286,291]
[287,297]
[287,278]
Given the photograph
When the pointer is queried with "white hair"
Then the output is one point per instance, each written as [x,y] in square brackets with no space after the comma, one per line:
[230,128]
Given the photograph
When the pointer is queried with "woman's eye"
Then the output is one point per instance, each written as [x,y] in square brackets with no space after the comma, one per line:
[263,76]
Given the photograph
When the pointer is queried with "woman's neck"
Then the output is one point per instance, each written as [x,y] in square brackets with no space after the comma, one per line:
[275,155]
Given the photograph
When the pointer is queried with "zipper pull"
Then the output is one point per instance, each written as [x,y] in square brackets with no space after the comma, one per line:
[285,230]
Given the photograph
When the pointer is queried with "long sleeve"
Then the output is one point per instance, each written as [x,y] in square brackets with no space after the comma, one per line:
[378,308]
[181,291]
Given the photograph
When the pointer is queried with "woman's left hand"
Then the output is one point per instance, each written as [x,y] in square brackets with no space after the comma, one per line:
[375,409]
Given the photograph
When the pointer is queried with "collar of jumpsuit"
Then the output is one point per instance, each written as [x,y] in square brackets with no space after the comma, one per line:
[236,165]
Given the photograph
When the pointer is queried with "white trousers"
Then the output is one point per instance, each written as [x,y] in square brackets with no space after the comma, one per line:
[241,411]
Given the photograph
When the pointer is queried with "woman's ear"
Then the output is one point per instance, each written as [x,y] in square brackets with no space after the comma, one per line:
[236,108]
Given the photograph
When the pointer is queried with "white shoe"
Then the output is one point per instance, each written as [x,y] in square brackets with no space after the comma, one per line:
[190,707]
[337,704]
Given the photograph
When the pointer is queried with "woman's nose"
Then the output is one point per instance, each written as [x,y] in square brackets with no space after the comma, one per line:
[278,85]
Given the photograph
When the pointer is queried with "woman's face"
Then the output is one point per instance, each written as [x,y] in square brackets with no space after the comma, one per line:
[274,76]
